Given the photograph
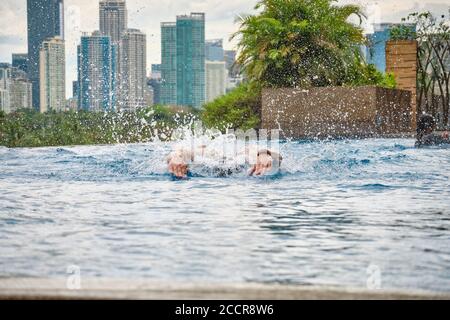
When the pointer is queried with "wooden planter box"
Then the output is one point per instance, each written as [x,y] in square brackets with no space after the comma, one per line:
[401,60]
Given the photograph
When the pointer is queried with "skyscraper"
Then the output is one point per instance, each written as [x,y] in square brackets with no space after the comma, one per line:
[216,75]
[20,61]
[155,85]
[15,89]
[149,95]
[168,63]
[75,87]
[133,65]
[20,90]
[52,74]
[45,20]
[113,18]
[5,87]
[214,50]
[156,71]
[232,67]
[191,60]
[96,85]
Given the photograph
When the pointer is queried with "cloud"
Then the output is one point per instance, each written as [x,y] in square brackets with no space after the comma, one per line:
[11,40]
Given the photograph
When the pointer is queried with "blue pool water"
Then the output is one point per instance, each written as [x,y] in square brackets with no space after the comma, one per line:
[338,210]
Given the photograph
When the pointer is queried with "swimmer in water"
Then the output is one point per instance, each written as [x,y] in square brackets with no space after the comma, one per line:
[266,161]
[425,132]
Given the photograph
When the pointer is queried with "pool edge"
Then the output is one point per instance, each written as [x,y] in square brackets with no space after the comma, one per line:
[99,289]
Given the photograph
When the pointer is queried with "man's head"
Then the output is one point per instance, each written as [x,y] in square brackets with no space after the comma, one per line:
[425,125]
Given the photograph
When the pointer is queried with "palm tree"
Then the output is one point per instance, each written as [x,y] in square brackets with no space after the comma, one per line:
[300,43]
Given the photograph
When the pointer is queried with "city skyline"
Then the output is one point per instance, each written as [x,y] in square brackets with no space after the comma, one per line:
[142,15]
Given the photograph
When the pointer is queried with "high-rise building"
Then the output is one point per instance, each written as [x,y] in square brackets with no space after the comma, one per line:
[15,89]
[21,90]
[375,52]
[52,74]
[149,96]
[75,89]
[20,61]
[191,60]
[133,66]
[45,20]
[5,90]
[97,68]
[183,61]
[216,75]
[231,65]
[168,63]
[214,50]
[72,104]
[155,85]
[113,18]
[156,71]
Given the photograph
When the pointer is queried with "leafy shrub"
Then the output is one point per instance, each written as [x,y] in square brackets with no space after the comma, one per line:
[238,109]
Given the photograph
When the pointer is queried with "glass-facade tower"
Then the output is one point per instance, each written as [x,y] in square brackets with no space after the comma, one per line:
[97,69]
[168,63]
[183,61]
[191,60]
[45,20]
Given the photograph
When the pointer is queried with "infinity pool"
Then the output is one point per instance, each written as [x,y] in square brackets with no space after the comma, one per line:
[338,211]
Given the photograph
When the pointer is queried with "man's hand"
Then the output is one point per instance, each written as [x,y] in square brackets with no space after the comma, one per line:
[262,166]
[177,164]
[445,135]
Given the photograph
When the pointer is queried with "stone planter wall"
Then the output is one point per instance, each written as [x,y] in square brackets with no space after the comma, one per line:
[337,112]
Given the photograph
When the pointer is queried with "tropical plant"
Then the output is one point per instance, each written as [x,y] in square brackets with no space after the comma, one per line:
[238,109]
[301,43]
[367,74]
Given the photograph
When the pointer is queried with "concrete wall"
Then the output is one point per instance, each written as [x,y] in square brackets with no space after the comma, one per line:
[336,112]
[401,60]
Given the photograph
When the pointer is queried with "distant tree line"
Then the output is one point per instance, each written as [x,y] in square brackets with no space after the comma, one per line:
[26,128]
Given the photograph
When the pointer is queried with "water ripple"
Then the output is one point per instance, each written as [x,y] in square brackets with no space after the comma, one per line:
[336,208]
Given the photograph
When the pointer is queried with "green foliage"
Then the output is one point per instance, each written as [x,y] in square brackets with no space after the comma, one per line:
[388,81]
[367,74]
[402,32]
[238,109]
[27,128]
[301,43]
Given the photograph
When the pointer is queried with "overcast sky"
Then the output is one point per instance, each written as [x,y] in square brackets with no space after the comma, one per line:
[82,16]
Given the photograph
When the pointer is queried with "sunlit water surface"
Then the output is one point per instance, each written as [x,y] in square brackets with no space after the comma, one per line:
[338,211]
